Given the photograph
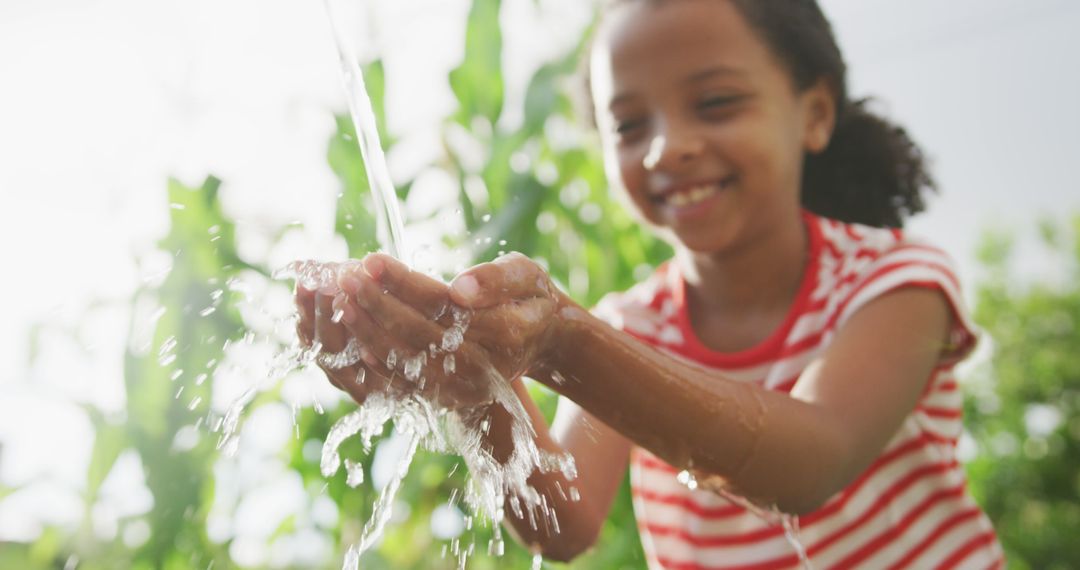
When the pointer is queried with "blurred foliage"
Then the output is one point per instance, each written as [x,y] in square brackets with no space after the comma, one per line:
[1025,411]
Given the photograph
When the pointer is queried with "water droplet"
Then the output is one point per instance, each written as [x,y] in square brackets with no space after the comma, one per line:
[414,365]
[448,364]
[167,346]
[349,356]
[195,403]
[360,375]
[502,242]
[452,338]
[687,478]
[176,374]
[355,473]
[177,206]
[207,311]
[391,359]
[337,316]
[486,218]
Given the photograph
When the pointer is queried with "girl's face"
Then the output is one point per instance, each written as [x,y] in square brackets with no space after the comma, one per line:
[701,124]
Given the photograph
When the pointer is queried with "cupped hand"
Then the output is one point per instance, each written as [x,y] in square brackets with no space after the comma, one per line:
[494,323]
[320,327]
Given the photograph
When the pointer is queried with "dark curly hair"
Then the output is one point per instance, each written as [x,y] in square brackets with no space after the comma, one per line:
[872,172]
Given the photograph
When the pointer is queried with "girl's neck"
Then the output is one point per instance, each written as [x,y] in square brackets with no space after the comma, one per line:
[764,275]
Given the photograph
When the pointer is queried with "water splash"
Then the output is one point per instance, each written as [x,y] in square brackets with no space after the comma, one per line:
[418,414]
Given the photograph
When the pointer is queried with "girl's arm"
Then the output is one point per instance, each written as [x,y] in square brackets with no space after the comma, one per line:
[580,505]
[793,451]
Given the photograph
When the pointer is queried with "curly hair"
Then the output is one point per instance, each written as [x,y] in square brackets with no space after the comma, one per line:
[871,172]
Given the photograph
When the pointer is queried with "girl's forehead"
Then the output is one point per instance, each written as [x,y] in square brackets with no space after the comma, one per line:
[640,40]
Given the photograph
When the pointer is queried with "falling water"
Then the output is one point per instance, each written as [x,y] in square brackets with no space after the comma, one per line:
[771,515]
[391,230]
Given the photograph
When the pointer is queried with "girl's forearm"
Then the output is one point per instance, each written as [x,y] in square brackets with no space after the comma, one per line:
[764,445]
[577,523]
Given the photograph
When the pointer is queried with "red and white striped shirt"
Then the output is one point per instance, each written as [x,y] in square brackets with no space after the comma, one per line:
[909,509]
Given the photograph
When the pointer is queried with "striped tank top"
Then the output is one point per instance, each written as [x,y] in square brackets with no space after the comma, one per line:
[909,509]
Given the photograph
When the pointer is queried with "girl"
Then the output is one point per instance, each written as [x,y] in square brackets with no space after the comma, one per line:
[798,350]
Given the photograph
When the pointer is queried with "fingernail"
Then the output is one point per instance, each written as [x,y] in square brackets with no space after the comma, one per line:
[467,287]
[374,266]
[349,283]
[344,311]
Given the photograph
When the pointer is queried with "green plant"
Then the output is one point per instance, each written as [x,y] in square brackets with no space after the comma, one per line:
[1025,411]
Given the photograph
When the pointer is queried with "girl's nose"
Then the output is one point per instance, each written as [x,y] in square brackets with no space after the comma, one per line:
[672,151]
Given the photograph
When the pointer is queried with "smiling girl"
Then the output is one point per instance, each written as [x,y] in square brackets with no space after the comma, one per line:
[798,350]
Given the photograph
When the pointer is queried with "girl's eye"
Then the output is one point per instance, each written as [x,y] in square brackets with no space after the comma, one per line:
[628,127]
[719,102]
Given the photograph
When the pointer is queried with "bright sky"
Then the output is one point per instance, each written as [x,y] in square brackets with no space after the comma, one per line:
[102,100]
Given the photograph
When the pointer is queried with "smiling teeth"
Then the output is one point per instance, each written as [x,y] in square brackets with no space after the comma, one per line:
[691,196]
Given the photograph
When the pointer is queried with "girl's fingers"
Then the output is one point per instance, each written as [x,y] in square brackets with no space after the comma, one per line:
[512,276]
[396,318]
[371,373]
[453,384]
[427,295]
[332,335]
[376,344]
[305,308]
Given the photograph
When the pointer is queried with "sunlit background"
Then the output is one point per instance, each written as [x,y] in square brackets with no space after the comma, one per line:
[102,101]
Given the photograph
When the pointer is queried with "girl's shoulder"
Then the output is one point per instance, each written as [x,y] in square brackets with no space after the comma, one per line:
[857,264]
[855,255]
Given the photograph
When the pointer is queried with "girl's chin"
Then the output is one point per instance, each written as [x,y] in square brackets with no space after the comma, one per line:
[702,241]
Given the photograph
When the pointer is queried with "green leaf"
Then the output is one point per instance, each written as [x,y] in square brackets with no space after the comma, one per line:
[477,82]
[109,442]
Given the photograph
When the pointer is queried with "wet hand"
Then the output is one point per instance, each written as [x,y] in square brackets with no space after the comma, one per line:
[320,327]
[362,354]
[497,316]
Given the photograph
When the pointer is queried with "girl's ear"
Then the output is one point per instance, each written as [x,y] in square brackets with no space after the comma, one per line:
[819,105]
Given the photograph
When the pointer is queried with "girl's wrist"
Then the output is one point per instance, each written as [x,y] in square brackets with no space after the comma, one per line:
[563,335]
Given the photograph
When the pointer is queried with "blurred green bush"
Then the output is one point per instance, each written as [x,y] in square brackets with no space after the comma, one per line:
[1023,407]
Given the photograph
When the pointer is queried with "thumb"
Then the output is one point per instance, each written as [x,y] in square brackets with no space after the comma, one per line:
[512,276]
[465,291]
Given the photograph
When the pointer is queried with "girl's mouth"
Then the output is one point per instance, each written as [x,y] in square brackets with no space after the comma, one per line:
[688,200]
